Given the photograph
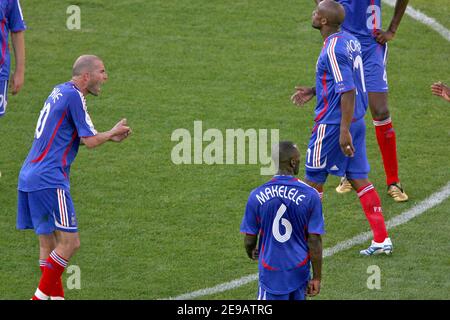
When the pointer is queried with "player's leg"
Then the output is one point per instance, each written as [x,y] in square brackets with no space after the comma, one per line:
[371,204]
[3,96]
[3,100]
[387,143]
[375,58]
[47,243]
[357,172]
[62,221]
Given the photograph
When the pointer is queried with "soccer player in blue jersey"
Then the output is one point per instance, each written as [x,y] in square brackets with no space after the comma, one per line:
[286,215]
[337,144]
[11,21]
[441,90]
[44,200]
[363,20]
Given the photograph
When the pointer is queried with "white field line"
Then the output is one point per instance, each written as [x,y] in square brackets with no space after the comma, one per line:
[423,18]
[433,200]
[430,202]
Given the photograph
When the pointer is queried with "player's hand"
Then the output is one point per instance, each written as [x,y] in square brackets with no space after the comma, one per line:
[17,81]
[302,95]
[346,143]
[384,36]
[313,288]
[120,131]
[441,90]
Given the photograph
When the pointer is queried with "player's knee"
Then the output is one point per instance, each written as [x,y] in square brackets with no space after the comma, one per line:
[380,112]
[76,244]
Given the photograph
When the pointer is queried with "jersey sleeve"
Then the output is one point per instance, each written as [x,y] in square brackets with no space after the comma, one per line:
[316,223]
[80,116]
[15,17]
[250,223]
[340,65]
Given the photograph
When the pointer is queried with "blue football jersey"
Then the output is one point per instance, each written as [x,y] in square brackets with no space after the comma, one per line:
[339,69]
[62,121]
[283,211]
[362,17]
[11,19]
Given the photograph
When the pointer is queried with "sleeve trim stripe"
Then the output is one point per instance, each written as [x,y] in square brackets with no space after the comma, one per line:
[332,56]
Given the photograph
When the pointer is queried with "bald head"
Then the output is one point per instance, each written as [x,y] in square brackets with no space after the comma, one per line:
[85,63]
[328,13]
[287,156]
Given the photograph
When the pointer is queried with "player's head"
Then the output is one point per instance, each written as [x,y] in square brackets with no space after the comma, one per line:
[91,71]
[287,156]
[328,13]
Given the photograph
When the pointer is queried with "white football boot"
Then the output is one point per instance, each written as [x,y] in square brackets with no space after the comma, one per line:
[376,248]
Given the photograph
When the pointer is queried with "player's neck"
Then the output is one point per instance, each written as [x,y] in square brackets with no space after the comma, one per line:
[80,86]
[282,172]
[327,31]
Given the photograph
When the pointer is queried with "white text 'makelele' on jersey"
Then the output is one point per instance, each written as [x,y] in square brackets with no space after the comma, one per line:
[283,211]
[62,121]
[339,69]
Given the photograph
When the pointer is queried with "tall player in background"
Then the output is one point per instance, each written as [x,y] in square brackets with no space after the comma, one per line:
[11,22]
[287,215]
[44,201]
[337,144]
[363,20]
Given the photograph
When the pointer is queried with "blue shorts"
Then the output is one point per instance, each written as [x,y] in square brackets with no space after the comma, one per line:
[3,96]
[46,211]
[374,57]
[298,294]
[324,155]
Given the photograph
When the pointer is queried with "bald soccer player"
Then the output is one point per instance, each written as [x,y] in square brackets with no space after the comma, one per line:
[363,20]
[44,201]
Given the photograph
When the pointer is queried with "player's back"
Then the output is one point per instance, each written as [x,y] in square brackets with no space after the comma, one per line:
[362,17]
[55,143]
[283,211]
[339,69]
[284,206]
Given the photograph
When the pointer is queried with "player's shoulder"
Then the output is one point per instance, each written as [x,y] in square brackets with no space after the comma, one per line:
[307,188]
[73,93]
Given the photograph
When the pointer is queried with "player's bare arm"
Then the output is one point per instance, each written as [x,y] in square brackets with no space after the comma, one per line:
[250,241]
[385,36]
[303,95]
[18,77]
[347,109]
[441,90]
[118,133]
[315,253]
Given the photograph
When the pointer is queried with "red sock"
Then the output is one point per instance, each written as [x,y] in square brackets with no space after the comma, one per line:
[388,146]
[59,290]
[53,270]
[371,204]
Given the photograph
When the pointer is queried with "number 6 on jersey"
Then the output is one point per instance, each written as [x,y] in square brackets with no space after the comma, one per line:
[285,222]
